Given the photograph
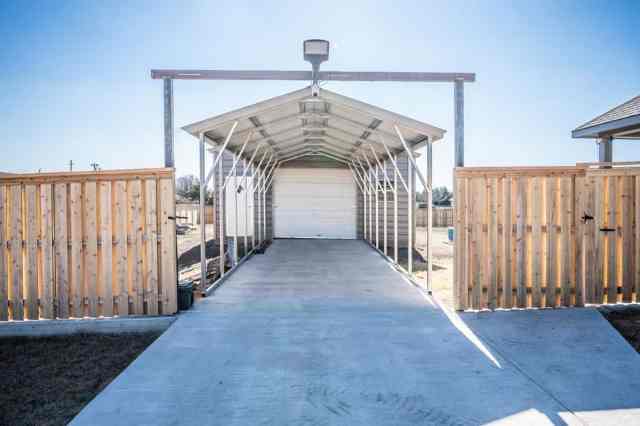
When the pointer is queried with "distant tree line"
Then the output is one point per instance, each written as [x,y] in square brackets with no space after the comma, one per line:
[188,189]
[442,197]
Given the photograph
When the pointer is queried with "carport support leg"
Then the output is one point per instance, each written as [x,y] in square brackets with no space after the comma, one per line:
[377,212]
[410,203]
[246,208]
[384,213]
[429,214]
[221,214]
[203,230]
[395,213]
[235,214]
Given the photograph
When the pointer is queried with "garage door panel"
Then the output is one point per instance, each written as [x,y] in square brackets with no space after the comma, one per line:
[314,203]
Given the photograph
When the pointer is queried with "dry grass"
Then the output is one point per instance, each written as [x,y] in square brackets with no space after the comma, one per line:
[47,380]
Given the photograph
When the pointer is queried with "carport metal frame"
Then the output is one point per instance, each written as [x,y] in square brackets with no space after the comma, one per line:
[266,173]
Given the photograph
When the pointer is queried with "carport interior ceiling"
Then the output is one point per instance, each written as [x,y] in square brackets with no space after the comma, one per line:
[307,123]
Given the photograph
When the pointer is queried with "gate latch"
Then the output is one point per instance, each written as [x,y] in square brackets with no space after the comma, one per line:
[585,218]
[608,229]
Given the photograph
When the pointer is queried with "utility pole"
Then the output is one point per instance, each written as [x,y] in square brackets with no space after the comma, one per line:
[70,165]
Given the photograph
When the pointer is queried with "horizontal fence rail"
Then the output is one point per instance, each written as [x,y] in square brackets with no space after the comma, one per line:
[546,236]
[87,244]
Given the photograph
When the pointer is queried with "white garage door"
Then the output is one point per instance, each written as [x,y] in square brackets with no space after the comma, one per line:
[314,203]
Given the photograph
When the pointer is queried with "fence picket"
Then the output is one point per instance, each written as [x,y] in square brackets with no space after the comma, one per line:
[151,247]
[105,250]
[134,194]
[46,261]
[30,214]
[76,238]
[612,240]
[61,254]
[16,265]
[167,259]
[566,258]
[119,215]
[4,277]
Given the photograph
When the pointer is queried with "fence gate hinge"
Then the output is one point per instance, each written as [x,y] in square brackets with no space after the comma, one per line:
[608,229]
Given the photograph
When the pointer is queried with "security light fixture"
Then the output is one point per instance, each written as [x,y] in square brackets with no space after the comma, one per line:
[316,51]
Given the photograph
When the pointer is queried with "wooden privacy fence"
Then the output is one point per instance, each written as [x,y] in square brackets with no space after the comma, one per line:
[546,237]
[87,244]
[191,212]
[442,216]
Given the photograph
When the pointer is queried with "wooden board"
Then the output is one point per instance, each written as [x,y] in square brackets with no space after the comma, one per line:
[61,251]
[30,215]
[134,205]
[4,277]
[507,247]
[46,283]
[536,241]
[76,238]
[612,240]
[16,264]
[90,220]
[565,250]
[626,259]
[552,203]
[167,258]
[521,242]
[150,247]
[119,241]
[492,249]
[105,250]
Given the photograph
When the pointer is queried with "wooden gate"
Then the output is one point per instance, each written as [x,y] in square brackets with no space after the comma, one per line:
[610,240]
[87,244]
[546,236]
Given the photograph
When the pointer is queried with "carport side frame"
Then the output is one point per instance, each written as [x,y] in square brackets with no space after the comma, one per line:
[458,80]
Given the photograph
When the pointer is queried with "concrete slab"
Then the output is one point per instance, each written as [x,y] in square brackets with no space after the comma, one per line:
[325,332]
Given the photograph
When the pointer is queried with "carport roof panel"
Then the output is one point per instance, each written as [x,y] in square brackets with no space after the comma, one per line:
[297,119]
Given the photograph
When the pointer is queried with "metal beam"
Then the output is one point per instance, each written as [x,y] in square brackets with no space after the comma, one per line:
[220,152]
[169,160]
[412,160]
[458,99]
[433,77]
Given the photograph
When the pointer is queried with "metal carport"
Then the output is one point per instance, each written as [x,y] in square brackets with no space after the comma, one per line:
[307,123]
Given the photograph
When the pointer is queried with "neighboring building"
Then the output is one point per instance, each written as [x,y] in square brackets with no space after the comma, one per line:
[621,122]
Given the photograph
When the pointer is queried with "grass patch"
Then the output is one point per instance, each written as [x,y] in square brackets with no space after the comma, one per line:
[47,380]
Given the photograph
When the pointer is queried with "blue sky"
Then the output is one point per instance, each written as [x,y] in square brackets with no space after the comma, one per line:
[75,75]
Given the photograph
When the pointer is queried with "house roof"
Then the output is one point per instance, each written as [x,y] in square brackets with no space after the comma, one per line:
[301,123]
[620,122]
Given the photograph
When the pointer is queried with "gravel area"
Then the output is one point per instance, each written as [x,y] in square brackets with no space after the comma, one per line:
[442,263]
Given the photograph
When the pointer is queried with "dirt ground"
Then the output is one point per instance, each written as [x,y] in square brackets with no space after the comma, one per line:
[626,319]
[442,262]
[47,380]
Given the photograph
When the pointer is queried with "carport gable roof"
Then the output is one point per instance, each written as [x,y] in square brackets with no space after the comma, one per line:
[622,122]
[300,123]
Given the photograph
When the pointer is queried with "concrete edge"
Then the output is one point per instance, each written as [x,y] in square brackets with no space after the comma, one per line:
[216,284]
[399,269]
[63,327]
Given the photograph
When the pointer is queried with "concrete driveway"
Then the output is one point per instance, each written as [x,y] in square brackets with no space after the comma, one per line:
[319,332]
